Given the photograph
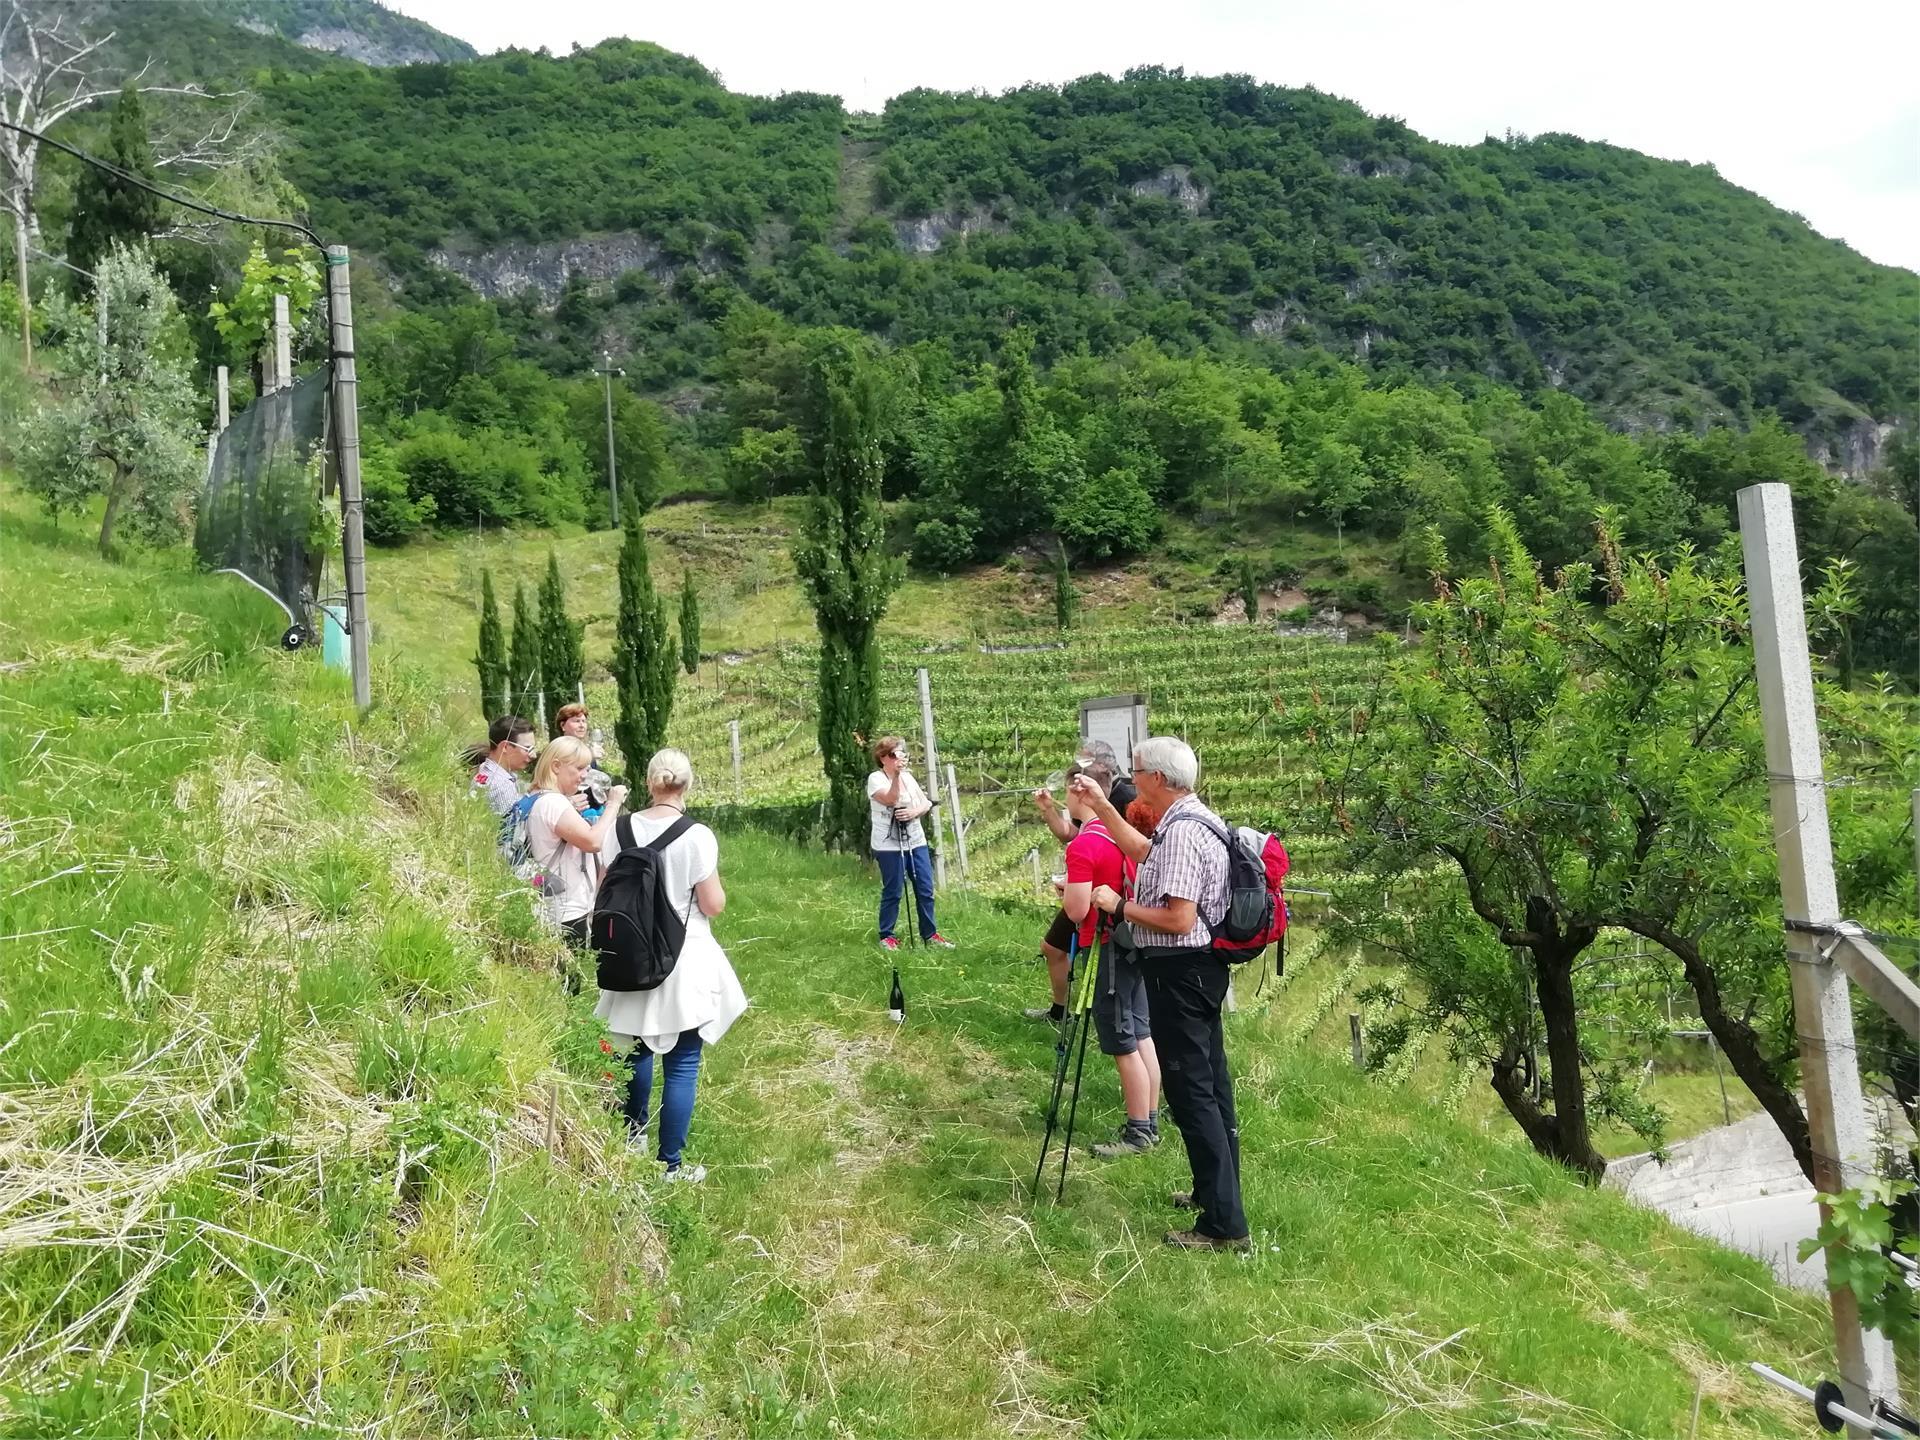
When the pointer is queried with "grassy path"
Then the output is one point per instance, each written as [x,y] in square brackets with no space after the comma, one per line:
[863,1259]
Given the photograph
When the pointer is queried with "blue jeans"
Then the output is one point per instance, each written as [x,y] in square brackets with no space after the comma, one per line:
[680,1073]
[893,874]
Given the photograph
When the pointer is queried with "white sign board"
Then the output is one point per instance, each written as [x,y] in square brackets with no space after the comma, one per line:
[1120,720]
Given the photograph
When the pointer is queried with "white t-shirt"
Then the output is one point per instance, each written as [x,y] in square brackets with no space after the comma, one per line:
[573,875]
[882,829]
[701,992]
[683,864]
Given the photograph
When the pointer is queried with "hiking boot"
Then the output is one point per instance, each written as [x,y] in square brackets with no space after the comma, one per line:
[887,942]
[1128,1141]
[1052,1014]
[686,1174]
[940,942]
[1182,1200]
[1194,1240]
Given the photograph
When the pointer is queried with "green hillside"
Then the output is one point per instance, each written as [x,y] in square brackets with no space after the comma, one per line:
[224,38]
[1198,212]
[291,1160]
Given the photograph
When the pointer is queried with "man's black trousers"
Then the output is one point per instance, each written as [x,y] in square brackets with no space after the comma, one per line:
[1185,990]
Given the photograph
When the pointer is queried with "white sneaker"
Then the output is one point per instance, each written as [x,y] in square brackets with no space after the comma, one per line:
[686,1174]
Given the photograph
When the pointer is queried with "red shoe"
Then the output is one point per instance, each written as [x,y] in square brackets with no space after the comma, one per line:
[941,941]
[887,942]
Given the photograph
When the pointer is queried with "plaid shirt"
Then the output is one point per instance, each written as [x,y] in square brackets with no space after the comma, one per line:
[1187,862]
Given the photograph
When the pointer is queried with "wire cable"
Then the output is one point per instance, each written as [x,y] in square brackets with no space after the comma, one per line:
[127,178]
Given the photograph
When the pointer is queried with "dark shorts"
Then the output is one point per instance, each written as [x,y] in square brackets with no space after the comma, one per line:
[1060,932]
[1120,1017]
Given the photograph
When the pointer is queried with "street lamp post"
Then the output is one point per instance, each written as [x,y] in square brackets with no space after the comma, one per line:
[607,372]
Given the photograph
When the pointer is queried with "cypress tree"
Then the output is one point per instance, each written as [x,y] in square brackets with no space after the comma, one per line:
[1249,590]
[106,208]
[490,660]
[841,558]
[643,657]
[689,628]
[1065,599]
[523,665]
[563,665]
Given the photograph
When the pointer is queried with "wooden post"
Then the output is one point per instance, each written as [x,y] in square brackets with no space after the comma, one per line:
[346,427]
[733,739]
[1823,1014]
[220,397]
[933,777]
[1359,1042]
[282,344]
[959,821]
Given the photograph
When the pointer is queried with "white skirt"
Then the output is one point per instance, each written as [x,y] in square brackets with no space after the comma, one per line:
[702,993]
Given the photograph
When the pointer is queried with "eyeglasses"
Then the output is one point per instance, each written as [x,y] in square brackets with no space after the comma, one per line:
[526,750]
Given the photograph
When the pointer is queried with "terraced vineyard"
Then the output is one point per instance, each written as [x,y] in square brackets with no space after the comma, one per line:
[1008,717]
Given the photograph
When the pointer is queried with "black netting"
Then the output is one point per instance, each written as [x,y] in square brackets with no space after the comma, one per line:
[262,512]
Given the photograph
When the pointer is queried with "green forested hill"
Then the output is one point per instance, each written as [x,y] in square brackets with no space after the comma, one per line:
[210,36]
[1192,211]
[1251,333]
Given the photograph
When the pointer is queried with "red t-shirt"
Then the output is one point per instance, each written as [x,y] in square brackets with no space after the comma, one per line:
[1094,858]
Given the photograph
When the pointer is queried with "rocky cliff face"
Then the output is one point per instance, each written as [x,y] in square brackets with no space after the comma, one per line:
[366,31]
[924,235]
[546,266]
[1175,183]
[364,48]
[1854,452]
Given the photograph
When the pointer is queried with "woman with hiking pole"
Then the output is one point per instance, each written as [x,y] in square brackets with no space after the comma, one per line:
[895,796]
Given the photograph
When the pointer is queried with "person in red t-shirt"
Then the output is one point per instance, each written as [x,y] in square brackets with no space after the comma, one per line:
[1119,990]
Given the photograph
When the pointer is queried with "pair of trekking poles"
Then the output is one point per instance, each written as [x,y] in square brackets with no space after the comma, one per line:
[1074,1025]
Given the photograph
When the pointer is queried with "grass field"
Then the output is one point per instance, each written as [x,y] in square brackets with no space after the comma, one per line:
[298,1133]
[864,1259]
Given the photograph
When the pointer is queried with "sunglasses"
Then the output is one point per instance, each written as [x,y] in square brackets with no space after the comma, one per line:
[526,750]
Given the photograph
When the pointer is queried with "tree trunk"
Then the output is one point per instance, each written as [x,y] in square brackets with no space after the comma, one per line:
[1553,983]
[116,492]
[1565,1135]
[26,290]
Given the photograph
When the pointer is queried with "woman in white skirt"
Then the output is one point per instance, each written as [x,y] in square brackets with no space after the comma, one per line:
[695,1004]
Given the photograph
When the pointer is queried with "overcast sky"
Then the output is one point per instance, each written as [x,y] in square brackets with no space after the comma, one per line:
[1815,106]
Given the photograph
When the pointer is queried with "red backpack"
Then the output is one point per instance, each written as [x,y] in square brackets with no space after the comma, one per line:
[1272,856]
[1256,914]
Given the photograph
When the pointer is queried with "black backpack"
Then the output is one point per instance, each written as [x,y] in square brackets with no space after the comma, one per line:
[1247,927]
[636,930]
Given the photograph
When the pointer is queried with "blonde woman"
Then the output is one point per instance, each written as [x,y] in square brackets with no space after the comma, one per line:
[564,845]
[701,997]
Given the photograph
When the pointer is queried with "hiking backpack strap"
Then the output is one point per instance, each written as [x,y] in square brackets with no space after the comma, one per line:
[623,831]
[1225,836]
[667,836]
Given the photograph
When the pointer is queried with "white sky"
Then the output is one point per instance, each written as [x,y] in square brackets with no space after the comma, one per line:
[1815,106]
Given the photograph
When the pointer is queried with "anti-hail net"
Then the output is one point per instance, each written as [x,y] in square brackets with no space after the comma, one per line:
[262,512]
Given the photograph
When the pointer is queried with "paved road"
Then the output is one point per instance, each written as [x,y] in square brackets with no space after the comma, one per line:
[1768,1227]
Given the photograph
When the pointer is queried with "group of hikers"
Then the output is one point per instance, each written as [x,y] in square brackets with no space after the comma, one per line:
[565,834]
[1155,885]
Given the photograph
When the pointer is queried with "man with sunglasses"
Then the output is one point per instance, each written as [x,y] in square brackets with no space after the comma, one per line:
[511,747]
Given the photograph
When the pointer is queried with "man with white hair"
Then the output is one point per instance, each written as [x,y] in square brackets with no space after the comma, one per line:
[1180,894]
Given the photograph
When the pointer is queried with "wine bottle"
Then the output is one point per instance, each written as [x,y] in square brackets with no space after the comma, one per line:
[897,1002]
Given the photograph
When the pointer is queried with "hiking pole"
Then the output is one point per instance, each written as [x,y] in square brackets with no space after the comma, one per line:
[910,897]
[1082,1004]
[1062,1044]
